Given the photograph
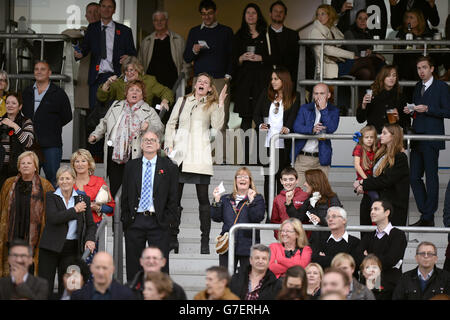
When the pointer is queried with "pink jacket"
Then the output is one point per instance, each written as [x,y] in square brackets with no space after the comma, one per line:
[279,263]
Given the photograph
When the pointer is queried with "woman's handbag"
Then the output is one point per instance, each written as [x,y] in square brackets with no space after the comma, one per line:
[222,239]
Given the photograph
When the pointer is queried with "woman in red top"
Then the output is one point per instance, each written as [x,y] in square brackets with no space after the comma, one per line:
[86,183]
[292,250]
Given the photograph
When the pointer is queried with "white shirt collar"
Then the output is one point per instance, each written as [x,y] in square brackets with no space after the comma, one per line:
[110,24]
[58,192]
[344,236]
[25,277]
[428,275]
[211,26]
[386,230]
[428,83]
[277,30]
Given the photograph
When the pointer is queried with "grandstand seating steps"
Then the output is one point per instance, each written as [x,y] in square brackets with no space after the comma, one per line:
[188,267]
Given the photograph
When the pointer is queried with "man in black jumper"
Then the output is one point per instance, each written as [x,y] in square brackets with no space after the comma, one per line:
[283,41]
[388,244]
[426,280]
[325,245]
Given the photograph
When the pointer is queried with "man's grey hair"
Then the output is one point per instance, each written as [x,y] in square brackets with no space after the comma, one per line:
[260,247]
[426,243]
[341,211]
[165,13]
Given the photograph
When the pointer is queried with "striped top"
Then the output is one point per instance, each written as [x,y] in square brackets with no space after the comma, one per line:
[25,135]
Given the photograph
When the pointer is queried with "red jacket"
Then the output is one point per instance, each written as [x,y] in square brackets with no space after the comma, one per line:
[279,209]
[279,263]
[91,189]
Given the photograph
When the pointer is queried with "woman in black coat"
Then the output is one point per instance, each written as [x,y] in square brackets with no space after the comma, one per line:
[276,112]
[251,63]
[386,94]
[390,176]
[69,229]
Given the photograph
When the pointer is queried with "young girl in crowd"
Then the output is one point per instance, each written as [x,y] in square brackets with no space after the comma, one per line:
[363,154]
[370,274]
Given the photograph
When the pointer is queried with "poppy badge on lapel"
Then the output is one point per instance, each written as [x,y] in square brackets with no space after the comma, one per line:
[118,32]
[161,171]
[97,67]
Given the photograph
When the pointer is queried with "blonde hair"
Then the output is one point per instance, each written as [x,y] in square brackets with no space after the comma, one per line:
[213,96]
[248,172]
[30,154]
[341,258]
[318,266]
[86,155]
[331,12]
[366,162]
[302,239]
[132,60]
[390,150]
[4,73]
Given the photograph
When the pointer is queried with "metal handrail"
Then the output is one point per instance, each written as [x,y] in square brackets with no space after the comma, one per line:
[118,239]
[309,227]
[100,228]
[294,136]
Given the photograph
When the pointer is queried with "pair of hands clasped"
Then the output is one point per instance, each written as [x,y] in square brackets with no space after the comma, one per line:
[81,207]
[250,194]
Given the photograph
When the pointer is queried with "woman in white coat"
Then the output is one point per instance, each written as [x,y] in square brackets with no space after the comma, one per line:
[187,141]
[336,61]
[123,126]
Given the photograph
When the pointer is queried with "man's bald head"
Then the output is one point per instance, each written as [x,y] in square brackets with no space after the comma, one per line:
[321,92]
[102,269]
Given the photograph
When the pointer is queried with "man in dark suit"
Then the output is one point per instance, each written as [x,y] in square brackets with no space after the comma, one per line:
[102,286]
[283,41]
[48,106]
[109,43]
[148,203]
[21,285]
[432,105]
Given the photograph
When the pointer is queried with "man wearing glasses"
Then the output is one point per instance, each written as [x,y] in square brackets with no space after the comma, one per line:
[20,284]
[426,280]
[325,245]
[149,202]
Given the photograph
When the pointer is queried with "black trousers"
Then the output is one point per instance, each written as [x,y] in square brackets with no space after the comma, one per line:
[244,261]
[115,173]
[145,229]
[51,261]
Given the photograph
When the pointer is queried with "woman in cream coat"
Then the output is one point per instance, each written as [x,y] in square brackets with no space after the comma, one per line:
[123,126]
[187,141]
[335,63]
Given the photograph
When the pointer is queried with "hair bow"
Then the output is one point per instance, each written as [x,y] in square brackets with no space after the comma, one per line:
[356,136]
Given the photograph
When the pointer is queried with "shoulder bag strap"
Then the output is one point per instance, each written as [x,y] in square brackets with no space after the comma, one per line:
[179,113]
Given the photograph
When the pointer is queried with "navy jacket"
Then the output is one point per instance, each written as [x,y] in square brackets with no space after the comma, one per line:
[304,123]
[53,114]
[251,213]
[216,60]
[437,98]
[118,292]
[123,45]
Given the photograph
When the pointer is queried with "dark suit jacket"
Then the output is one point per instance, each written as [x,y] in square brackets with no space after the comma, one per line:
[57,224]
[34,288]
[118,292]
[123,45]
[53,114]
[437,98]
[165,191]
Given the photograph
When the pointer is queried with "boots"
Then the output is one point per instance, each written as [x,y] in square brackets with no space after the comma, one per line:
[174,230]
[205,227]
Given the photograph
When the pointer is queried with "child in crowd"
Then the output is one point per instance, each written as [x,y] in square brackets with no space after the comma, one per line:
[290,193]
[370,274]
[364,153]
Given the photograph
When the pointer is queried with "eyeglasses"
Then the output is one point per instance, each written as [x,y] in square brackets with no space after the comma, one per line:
[425,254]
[287,231]
[243,177]
[334,216]
[16,256]
[207,13]
[152,140]
[277,107]
[3,80]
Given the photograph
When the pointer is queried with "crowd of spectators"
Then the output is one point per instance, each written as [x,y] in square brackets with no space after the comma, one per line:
[47,224]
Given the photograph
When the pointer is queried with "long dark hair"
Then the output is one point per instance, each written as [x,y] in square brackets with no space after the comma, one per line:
[261,23]
[288,91]
[378,85]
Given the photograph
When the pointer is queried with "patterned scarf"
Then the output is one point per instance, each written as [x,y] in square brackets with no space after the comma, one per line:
[128,127]
[36,210]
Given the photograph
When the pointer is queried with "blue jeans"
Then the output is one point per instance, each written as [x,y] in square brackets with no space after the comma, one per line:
[51,164]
